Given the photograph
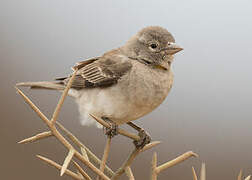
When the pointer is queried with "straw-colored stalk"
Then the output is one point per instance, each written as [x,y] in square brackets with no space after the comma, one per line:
[87,155]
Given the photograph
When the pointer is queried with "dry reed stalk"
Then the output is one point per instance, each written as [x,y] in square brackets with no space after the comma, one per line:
[175,161]
[154,167]
[194,174]
[62,98]
[105,155]
[36,137]
[129,173]
[155,170]
[90,154]
[240,175]
[86,153]
[82,172]
[131,158]
[51,125]
[56,165]
[120,131]
[203,172]
[67,161]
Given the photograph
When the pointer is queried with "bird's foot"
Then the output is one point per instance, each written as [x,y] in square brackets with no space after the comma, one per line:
[112,130]
[144,139]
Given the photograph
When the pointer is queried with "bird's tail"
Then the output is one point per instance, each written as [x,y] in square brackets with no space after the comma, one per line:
[52,85]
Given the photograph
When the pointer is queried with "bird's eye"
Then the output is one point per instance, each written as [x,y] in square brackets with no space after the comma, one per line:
[153,46]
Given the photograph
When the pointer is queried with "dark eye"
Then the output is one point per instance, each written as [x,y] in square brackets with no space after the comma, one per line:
[153,46]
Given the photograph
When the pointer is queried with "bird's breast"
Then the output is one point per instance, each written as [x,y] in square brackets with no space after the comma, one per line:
[146,88]
[136,94]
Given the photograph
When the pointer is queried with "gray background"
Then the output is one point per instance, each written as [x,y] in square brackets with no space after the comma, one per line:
[208,110]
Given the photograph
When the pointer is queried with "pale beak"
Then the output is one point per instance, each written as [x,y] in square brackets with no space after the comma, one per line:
[173,48]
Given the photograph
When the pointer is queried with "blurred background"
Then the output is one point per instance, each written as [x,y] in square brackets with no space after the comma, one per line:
[208,110]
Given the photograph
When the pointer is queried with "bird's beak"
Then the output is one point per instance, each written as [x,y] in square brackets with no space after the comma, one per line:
[173,48]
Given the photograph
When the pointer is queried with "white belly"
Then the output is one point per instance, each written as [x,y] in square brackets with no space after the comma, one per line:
[135,95]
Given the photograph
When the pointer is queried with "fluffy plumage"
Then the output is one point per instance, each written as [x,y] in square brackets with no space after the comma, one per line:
[126,83]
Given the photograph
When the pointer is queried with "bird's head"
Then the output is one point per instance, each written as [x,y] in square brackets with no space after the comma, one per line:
[153,45]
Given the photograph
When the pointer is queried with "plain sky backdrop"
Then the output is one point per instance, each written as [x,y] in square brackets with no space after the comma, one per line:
[208,110]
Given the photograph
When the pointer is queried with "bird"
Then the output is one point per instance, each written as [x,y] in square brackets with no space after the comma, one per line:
[123,84]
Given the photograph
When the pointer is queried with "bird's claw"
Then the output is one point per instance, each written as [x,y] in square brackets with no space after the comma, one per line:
[144,139]
[112,130]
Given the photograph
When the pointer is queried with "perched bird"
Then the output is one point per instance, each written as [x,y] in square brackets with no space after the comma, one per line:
[123,84]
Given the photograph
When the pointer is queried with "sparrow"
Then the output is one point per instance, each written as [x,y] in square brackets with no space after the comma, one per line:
[123,84]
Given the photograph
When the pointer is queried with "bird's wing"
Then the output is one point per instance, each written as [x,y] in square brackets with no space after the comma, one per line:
[99,72]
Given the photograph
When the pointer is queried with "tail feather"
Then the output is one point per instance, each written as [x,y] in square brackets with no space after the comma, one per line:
[43,85]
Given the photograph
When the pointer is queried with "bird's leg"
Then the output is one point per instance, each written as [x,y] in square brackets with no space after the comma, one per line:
[113,130]
[144,136]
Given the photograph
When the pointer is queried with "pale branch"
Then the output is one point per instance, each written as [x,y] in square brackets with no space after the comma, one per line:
[79,174]
[240,175]
[84,153]
[81,171]
[90,154]
[61,138]
[175,161]
[62,99]
[36,137]
[56,165]
[129,173]
[105,155]
[150,145]
[131,158]
[203,172]
[128,162]
[120,131]
[33,106]
[67,161]
[77,154]
[194,174]
[153,167]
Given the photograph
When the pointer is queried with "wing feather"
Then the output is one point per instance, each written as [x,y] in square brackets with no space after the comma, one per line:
[99,72]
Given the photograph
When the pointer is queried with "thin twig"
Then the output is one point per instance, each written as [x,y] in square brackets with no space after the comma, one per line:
[150,145]
[128,162]
[90,154]
[77,154]
[175,161]
[131,158]
[67,161]
[62,99]
[79,174]
[105,155]
[33,106]
[84,153]
[194,174]
[83,173]
[129,173]
[240,175]
[36,137]
[154,167]
[120,131]
[203,172]
[52,163]
[62,139]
